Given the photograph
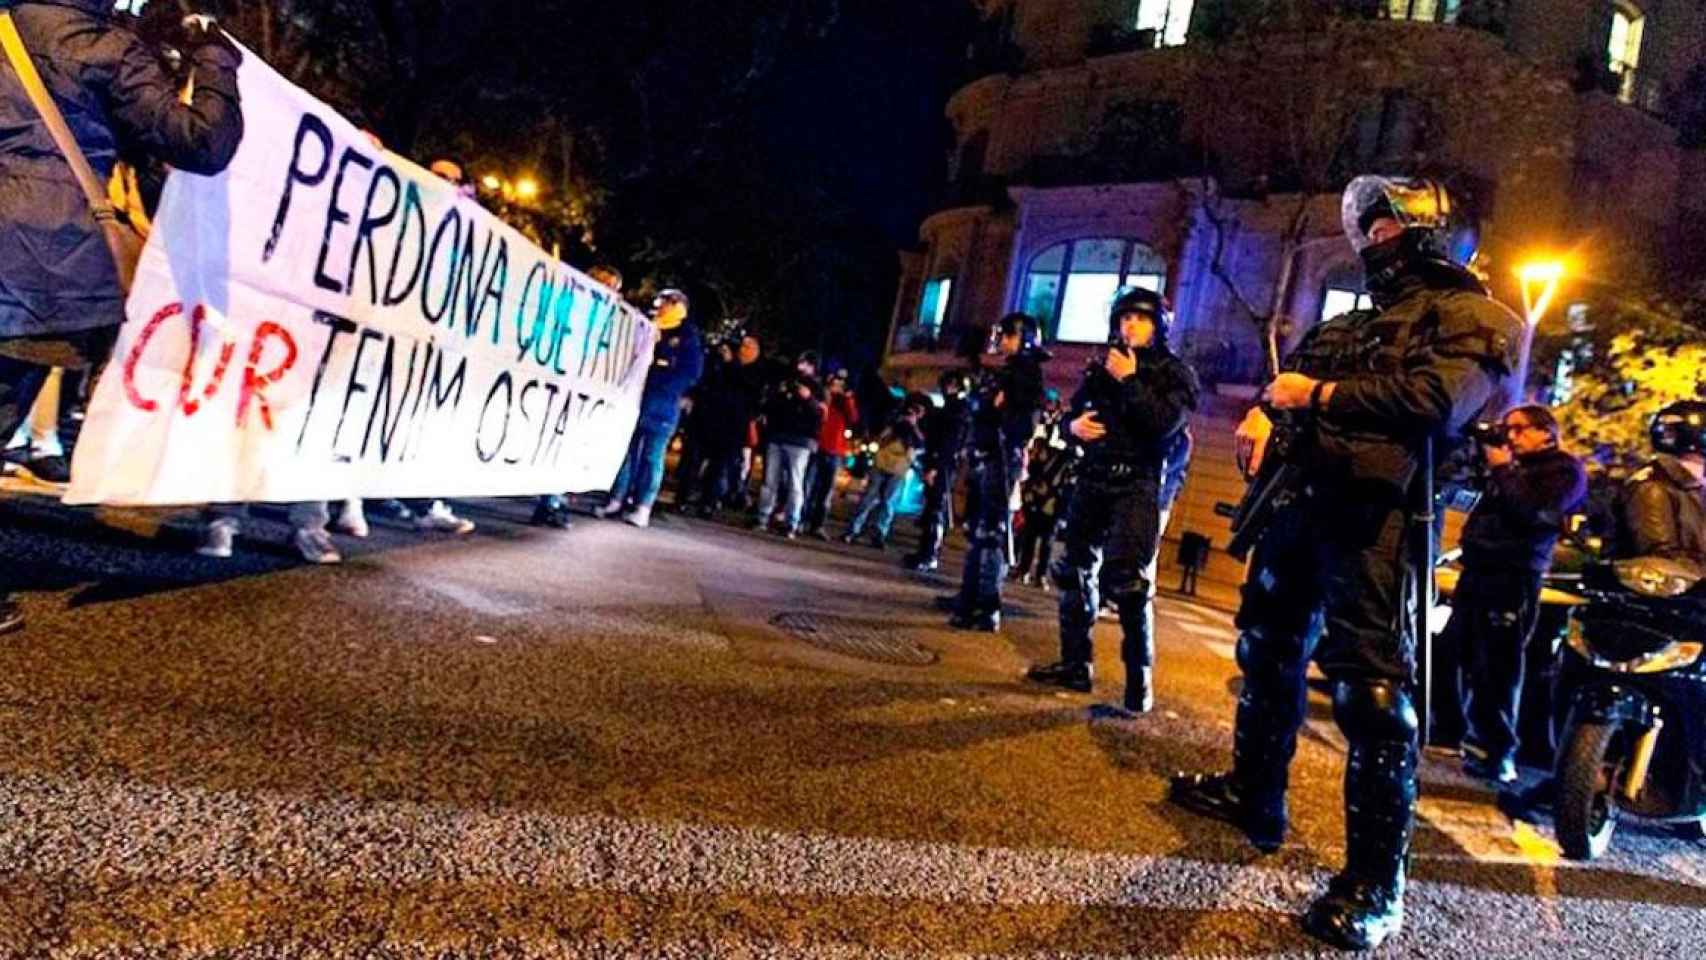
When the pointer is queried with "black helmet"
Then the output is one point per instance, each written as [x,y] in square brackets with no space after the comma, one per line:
[809,356]
[1432,226]
[1142,301]
[1680,428]
[1022,324]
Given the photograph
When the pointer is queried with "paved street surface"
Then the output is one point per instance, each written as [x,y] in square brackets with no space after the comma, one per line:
[622,743]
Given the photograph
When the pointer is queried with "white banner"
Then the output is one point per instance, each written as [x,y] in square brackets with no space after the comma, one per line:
[325,319]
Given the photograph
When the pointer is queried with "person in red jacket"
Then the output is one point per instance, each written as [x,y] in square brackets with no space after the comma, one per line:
[834,443]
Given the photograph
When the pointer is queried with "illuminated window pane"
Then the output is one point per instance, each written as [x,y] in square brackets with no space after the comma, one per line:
[1084,311]
[1042,290]
[1170,19]
[1623,49]
[933,305]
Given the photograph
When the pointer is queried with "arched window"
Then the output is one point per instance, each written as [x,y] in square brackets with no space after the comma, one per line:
[1070,286]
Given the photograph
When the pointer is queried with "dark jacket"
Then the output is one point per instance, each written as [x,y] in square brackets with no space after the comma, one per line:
[1143,413]
[791,420]
[1018,384]
[677,361]
[1422,368]
[1663,514]
[946,430]
[1176,467]
[56,274]
[1521,514]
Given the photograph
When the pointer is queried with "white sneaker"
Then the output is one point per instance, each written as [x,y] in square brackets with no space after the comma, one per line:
[353,521]
[217,539]
[640,517]
[316,546]
[610,509]
[440,518]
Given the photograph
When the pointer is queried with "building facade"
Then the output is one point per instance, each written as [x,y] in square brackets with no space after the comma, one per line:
[1198,147]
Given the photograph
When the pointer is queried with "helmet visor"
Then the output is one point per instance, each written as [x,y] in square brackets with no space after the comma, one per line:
[1372,200]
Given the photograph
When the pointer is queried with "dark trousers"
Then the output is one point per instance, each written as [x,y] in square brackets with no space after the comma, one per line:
[938,511]
[989,527]
[821,472]
[1036,543]
[1328,582]
[694,462]
[1481,657]
[24,365]
[1110,534]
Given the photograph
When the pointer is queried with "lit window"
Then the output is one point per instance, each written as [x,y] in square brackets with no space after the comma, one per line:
[1430,11]
[1070,286]
[1338,300]
[933,305]
[1170,19]
[1623,49]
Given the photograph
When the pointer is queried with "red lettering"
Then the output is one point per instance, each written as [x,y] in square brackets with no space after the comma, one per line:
[137,400]
[254,387]
[186,386]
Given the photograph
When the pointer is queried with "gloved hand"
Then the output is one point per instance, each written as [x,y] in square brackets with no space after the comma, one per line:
[201,30]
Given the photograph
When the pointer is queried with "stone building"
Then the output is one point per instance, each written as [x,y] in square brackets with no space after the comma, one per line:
[1199,147]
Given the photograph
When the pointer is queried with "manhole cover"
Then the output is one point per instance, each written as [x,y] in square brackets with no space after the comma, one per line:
[865,639]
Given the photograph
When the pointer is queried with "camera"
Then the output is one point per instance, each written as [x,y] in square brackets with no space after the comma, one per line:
[1489,434]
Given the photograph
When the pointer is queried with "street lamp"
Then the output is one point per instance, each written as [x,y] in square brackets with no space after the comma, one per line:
[491,182]
[1540,280]
[526,188]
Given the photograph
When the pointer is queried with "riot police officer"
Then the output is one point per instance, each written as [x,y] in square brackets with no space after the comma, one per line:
[1371,390]
[1005,414]
[945,432]
[1131,407]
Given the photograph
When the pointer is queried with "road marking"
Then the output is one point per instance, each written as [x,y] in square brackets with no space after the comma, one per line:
[1199,630]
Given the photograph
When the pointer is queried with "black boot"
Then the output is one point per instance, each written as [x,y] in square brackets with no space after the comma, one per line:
[1218,797]
[1067,676]
[551,515]
[986,621]
[11,615]
[1364,905]
[1139,689]
[923,563]
[946,602]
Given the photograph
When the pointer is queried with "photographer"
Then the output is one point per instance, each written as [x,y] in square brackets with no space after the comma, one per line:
[793,419]
[1530,487]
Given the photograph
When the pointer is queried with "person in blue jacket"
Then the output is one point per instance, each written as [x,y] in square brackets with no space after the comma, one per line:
[677,362]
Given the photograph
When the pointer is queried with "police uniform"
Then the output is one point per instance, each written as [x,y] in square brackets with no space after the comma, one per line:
[1112,528]
[945,433]
[994,462]
[1333,576]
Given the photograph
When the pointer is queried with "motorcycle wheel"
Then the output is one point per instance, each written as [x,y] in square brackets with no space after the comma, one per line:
[1587,785]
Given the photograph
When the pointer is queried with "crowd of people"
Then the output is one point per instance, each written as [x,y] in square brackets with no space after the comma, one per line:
[1068,492]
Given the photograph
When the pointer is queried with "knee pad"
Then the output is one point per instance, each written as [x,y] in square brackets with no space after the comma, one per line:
[1374,711]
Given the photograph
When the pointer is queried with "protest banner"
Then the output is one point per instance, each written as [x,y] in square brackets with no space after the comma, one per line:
[326,319]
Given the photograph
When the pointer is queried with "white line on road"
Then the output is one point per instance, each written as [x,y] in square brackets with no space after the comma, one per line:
[1198,630]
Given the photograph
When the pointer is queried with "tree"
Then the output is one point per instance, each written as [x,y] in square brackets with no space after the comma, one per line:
[1623,359]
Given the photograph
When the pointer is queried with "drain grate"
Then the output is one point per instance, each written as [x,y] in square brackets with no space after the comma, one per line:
[865,639]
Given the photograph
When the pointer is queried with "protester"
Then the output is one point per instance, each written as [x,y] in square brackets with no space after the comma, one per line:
[792,419]
[1530,487]
[834,443]
[60,295]
[945,433]
[695,462]
[552,509]
[897,446]
[35,450]
[677,361]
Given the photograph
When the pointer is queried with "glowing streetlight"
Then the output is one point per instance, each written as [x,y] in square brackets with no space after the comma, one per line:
[491,182]
[1540,280]
[526,188]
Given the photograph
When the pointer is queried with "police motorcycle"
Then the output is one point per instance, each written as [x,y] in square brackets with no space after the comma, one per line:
[1634,743]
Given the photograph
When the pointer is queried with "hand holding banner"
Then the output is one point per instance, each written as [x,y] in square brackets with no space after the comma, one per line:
[324,319]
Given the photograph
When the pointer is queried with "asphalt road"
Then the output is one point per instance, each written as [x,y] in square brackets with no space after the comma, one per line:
[621,743]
